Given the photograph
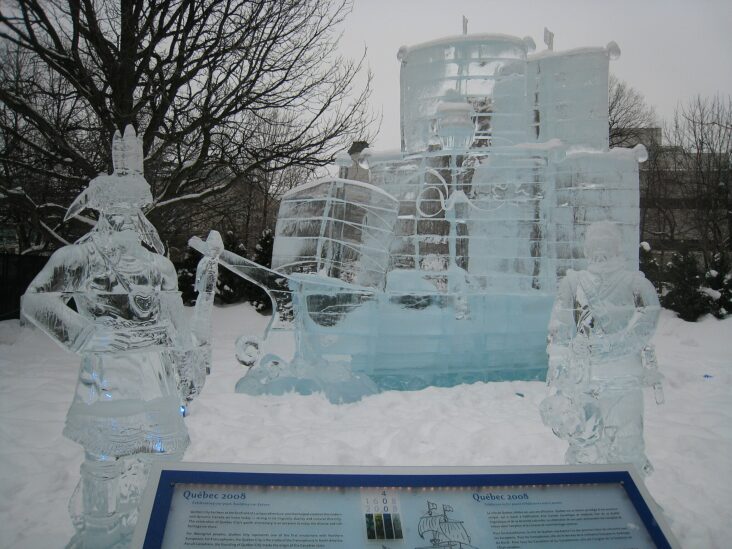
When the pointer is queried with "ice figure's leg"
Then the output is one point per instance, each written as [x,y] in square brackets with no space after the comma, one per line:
[578,453]
[94,505]
[135,472]
[623,412]
[132,485]
[104,507]
[578,420]
[583,450]
[586,439]
[621,431]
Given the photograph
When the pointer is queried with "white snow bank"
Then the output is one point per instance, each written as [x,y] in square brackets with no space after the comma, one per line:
[689,438]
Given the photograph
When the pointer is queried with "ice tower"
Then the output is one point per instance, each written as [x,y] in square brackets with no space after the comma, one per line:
[443,268]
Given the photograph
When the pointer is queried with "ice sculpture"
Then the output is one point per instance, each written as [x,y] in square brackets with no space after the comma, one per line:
[442,269]
[115,302]
[599,355]
[331,259]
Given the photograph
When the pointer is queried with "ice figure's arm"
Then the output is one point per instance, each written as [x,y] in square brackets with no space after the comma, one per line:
[640,328]
[191,361]
[206,276]
[205,286]
[45,302]
[277,285]
[172,304]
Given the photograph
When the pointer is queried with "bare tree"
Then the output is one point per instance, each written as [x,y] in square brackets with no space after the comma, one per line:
[700,150]
[629,116]
[661,201]
[223,92]
[686,199]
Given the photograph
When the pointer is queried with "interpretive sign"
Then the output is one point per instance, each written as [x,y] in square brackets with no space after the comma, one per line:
[192,505]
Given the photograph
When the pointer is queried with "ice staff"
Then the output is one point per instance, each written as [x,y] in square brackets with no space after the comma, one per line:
[113,298]
[599,356]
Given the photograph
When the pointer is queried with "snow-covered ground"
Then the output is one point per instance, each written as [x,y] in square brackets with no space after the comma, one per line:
[689,438]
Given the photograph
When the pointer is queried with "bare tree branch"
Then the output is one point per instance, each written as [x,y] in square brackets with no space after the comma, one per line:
[629,116]
[690,180]
[225,93]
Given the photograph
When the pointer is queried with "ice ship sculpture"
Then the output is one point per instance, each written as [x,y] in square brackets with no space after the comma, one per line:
[113,298]
[442,268]
[599,356]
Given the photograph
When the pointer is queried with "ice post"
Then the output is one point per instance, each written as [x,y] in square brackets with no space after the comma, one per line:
[599,356]
[113,298]
[442,268]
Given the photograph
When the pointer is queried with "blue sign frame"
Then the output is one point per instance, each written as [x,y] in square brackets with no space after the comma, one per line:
[167,476]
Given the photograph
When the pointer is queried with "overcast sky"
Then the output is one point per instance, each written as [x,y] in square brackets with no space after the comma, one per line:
[671,50]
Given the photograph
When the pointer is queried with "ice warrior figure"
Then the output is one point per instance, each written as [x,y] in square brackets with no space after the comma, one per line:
[114,301]
[599,355]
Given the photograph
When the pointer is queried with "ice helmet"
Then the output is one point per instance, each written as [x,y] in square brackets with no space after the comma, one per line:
[124,190]
[125,187]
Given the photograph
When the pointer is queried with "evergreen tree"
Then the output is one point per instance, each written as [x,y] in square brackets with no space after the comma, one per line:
[263,249]
[649,266]
[231,288]
[718,280]
[685,296]
[262,255]
[224,94]
[186,270]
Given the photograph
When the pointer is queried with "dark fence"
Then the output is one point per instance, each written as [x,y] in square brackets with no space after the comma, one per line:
[16,272]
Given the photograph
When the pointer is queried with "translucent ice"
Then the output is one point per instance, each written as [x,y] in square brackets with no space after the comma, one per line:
[338,229]
[599,360]
[444,267]
[115,302]
[330,259]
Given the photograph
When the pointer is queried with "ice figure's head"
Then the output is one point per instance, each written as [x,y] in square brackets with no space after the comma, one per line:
[126,239]
[602,242]
[125,188]
[120,196]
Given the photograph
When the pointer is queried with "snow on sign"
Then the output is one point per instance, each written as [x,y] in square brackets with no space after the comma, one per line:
[203,505]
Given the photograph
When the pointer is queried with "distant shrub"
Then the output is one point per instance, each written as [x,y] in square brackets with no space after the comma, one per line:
[230,287]
[685,289]
[648,264]
[684,283]
[718,285]
[186,270]
[262,255]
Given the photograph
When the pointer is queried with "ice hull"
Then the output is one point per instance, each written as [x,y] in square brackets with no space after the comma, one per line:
[414,341]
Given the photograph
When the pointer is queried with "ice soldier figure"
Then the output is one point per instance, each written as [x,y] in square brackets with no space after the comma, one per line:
[116,303]
[599,355]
